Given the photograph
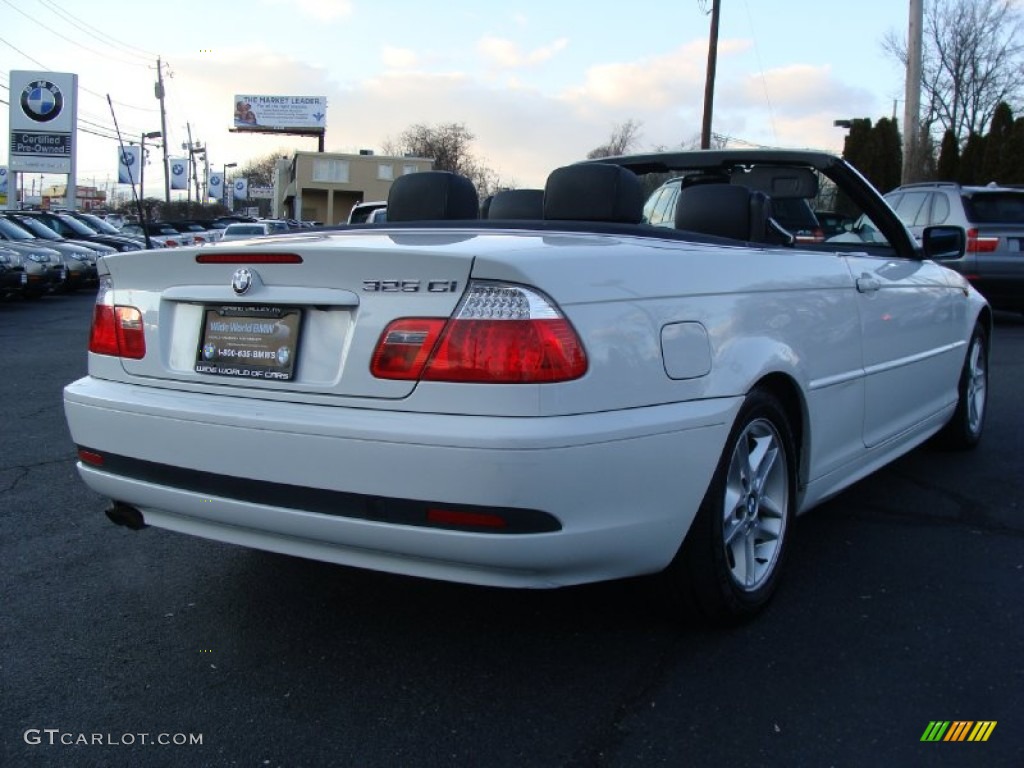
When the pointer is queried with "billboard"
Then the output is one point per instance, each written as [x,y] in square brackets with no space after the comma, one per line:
[280,113]
[43,120]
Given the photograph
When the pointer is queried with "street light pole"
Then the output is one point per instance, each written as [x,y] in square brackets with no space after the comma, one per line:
[142,160]
[224,182]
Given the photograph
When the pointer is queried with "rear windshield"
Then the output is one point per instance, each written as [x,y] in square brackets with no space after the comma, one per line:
[244,229]
[995,207]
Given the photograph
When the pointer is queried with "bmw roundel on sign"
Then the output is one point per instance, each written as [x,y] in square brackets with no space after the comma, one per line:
[128,158]
[239,185]
[177,169]
[41,101]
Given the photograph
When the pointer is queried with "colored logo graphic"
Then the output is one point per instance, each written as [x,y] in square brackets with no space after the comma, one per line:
[128,158]
[959,730]
[177,169]
[41,101]
[239,185]
[283,355]
[209,351]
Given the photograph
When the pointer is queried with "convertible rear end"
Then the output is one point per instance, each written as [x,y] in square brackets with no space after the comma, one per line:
[526,404]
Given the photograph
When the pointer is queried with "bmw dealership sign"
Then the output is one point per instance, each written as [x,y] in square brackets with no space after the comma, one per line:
[43,119]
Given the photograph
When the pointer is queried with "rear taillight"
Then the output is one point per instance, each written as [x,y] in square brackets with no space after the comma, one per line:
[404,347]
[116,330]
[499,334]
[978,244]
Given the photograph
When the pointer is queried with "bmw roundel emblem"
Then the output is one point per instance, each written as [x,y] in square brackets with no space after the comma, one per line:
[128,158]
[42,101]
[177,169]
[241,281]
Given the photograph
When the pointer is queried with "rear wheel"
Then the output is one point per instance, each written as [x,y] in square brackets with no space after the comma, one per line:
[964,430]
[729,564]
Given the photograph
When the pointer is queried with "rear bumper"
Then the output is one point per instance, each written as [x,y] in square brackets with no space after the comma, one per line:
[622,486]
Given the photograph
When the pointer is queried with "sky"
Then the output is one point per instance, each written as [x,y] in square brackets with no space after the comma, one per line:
[539,84]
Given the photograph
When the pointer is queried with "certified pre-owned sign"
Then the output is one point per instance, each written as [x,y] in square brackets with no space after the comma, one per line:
[43,121]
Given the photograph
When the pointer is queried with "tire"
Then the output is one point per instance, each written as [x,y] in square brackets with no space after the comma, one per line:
[729,564]
[963,431]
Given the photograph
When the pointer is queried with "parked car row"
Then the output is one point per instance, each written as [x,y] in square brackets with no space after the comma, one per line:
[37,260]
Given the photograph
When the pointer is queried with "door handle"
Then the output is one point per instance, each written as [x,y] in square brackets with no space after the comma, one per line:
[868,284]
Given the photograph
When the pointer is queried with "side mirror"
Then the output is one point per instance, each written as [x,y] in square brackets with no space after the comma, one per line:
[944,242]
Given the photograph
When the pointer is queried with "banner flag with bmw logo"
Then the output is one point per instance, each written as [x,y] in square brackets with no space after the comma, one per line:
[216,188]
[241,189]
[179,172]
[128,164]
[3,181]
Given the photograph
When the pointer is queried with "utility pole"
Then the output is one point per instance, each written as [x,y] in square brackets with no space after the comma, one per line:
[912,105]
[709,85]
[159,92]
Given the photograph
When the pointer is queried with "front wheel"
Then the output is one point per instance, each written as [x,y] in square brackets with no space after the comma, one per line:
[729,564]
[964,430]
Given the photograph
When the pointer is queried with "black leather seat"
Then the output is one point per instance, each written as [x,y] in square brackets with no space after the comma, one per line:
[517,204]
[729,210]
[593,192]
[432,196]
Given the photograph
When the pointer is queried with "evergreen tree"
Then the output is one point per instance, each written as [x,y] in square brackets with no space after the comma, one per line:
[949,157]
[887,155]
[1014,172]
[969,171]
[997,144]
[857,145]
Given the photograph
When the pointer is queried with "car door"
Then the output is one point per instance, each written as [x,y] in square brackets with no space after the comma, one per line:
[906,315]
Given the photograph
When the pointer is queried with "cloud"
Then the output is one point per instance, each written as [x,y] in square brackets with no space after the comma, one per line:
[398,58]
[507,54]
[655,82]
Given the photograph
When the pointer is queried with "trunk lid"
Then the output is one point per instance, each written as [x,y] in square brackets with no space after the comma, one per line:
[299,313]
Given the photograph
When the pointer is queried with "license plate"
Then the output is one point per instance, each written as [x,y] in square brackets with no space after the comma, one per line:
[249,342]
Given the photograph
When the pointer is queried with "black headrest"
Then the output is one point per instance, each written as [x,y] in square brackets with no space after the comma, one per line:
[517,204]
[593,192]
[724,210]
[431,196]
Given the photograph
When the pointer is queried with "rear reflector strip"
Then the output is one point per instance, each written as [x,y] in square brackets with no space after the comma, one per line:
[465,519]
[90,457]
[248,258]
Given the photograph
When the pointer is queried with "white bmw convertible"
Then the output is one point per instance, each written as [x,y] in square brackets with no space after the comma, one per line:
[562,386]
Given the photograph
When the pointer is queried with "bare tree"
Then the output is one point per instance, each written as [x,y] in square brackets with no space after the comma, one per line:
[449,145]
[623,138]
[260,172]
[972,61]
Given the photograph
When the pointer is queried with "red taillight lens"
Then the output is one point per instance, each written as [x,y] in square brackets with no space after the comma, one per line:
[507,351]
[404,346]
[499,334]
[977,244]
[103,337]
[117,331]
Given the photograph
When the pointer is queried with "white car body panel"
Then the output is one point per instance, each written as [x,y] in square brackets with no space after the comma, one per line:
[676,334]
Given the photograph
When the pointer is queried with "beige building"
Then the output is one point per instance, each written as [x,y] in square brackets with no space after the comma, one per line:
[323,186]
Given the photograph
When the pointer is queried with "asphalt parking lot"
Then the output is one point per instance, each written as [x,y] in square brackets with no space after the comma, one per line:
[903,604]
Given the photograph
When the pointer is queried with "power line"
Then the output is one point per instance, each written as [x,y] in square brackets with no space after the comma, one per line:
[96,33]
[65,37]
[80,86]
